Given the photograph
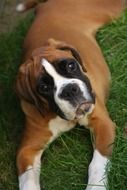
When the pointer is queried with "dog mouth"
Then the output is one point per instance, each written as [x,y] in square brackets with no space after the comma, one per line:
[83,109]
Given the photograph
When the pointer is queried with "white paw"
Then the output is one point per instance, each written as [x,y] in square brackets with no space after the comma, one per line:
[97,173]
[29,180]
[95,187]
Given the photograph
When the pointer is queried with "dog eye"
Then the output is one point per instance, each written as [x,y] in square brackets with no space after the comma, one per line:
[68,66]
[71,66]
[45,85]
[43,88]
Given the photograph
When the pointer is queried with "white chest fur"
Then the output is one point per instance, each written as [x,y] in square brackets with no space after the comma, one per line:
[58,126]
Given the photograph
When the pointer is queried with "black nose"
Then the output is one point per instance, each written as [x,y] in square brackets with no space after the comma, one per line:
[70,91]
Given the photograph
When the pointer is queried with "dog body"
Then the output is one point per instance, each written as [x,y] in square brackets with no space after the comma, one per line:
[59,88]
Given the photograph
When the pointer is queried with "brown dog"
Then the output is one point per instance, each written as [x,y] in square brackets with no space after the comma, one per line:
[64,80]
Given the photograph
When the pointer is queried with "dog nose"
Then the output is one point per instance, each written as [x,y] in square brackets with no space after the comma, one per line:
[70,91]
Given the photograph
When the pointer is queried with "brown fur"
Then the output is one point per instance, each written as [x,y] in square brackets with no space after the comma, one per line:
[67,22]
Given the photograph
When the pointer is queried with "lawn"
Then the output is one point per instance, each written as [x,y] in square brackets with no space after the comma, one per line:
[65,162]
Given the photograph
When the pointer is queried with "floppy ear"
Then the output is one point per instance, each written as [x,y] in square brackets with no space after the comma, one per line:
[22,85]
[26,87]
[63,46]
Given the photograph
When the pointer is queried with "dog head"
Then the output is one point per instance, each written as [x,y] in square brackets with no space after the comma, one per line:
[54,79]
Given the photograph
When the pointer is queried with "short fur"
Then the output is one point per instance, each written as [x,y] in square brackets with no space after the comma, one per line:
[62,29]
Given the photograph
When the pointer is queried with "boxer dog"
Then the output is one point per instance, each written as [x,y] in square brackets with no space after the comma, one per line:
[64,80]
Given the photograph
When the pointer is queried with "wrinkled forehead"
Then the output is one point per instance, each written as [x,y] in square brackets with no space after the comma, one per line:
[53,57]
[51,54]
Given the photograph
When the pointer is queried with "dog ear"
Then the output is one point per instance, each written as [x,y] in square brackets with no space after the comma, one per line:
[26,87]
[66,47]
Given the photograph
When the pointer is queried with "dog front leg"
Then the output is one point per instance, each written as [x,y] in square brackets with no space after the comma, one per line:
[29,178]
[97,174]
[36,137]
[104,133]
[33,144]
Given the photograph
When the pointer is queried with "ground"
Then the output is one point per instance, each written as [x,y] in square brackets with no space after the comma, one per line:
[65,162]
[8,16]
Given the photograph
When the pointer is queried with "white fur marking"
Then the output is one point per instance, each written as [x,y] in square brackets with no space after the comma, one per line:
[20,7]
[50,69]
[57,126]
[29,180]
[60,82]
[97,173]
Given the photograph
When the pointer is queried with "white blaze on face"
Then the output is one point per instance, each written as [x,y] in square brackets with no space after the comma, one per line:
[60,82]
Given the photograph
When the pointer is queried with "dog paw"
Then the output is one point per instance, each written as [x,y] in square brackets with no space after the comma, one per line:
[95,188]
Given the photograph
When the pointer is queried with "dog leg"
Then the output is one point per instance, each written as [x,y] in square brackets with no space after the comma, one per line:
[35,138]
[34,142]
[103,131]
[97,176]
[29,180]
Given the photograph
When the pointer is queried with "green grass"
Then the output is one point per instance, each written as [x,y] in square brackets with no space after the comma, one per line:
[65,162]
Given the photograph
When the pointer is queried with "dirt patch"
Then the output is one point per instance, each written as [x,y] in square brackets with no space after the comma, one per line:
[8,15]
